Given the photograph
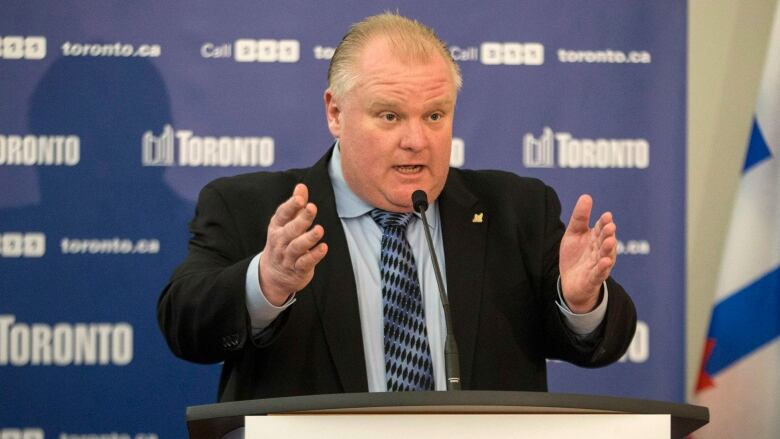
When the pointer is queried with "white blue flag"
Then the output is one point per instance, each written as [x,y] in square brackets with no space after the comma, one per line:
[740,376]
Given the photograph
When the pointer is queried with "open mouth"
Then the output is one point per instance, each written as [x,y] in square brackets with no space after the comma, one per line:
[408,169]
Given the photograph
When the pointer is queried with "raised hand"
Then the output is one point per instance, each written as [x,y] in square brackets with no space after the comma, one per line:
[291,250]
[586,256]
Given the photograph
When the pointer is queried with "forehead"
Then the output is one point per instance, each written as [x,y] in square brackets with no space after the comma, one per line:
[383,68]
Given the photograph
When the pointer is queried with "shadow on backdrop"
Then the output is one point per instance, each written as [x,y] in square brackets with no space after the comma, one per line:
[108,103]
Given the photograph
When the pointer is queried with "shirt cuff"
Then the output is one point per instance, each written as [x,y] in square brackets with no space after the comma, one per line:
[583,324]
[261,311]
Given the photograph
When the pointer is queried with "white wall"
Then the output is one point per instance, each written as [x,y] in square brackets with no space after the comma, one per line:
[727,40]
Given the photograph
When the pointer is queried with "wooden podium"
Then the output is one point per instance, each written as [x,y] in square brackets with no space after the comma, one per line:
[448,414]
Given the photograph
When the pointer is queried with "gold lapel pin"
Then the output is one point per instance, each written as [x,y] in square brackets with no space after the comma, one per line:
[477,218]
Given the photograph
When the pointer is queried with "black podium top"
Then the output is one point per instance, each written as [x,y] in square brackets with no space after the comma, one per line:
[215,420]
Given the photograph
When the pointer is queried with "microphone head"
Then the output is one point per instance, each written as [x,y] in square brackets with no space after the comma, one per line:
[419,201]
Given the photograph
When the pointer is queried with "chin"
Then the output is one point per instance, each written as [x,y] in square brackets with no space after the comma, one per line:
[398,203]
[404,206]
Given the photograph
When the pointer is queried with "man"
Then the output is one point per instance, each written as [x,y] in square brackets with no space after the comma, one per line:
[284,281]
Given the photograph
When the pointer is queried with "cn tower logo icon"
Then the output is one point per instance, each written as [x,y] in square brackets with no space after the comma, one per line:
[158,150]
[539,152]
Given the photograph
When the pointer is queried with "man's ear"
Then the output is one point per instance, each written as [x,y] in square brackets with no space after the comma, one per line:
[332,113]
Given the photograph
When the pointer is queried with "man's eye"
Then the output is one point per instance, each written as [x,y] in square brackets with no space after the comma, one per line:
[435,116]
[389,117]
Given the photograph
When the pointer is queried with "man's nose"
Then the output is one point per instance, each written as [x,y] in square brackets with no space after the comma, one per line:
[415,136]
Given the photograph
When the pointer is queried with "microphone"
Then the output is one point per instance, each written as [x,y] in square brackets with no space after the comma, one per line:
[451,362]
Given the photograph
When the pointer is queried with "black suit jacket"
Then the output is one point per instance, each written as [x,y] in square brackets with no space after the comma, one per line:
[501,282]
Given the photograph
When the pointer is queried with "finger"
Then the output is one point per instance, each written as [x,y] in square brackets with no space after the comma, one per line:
[298,225]
[287,211]
[608,231]
[603,268]
[303,243]
[310,259]
[580,215]
[604,219]
[301,190]
[608,248]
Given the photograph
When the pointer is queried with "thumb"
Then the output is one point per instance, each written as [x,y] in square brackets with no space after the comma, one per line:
[580,215]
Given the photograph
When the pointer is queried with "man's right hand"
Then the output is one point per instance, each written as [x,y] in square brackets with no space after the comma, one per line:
[291,250]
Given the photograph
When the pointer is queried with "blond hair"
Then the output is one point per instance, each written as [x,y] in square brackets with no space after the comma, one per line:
[408,39]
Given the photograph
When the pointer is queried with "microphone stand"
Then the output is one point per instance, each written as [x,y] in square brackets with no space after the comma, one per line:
[451,361]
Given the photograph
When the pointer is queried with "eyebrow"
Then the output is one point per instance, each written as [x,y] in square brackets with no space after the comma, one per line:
[383,103]
[440,103]
[392,103]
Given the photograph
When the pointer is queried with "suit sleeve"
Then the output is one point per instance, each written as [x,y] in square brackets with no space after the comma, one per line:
[202,311]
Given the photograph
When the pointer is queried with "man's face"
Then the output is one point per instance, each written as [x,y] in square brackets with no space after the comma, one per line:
[394,127]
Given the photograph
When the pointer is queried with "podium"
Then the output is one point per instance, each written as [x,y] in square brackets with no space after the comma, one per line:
[214,421]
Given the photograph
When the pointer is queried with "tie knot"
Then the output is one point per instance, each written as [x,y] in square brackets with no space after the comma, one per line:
[387,219]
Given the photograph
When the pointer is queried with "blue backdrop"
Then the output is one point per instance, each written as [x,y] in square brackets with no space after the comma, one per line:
[114,114]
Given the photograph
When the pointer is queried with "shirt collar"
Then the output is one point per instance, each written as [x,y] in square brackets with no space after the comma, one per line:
[349,205]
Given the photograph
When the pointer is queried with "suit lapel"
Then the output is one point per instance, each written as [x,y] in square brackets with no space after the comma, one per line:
[333,287]
[464,237]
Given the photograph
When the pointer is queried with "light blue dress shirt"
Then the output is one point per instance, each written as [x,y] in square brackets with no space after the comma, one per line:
[364,239]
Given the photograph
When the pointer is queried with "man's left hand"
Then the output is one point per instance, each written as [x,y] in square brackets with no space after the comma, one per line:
[586,257]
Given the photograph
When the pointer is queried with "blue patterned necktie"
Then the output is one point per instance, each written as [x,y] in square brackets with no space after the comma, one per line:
[408,364]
